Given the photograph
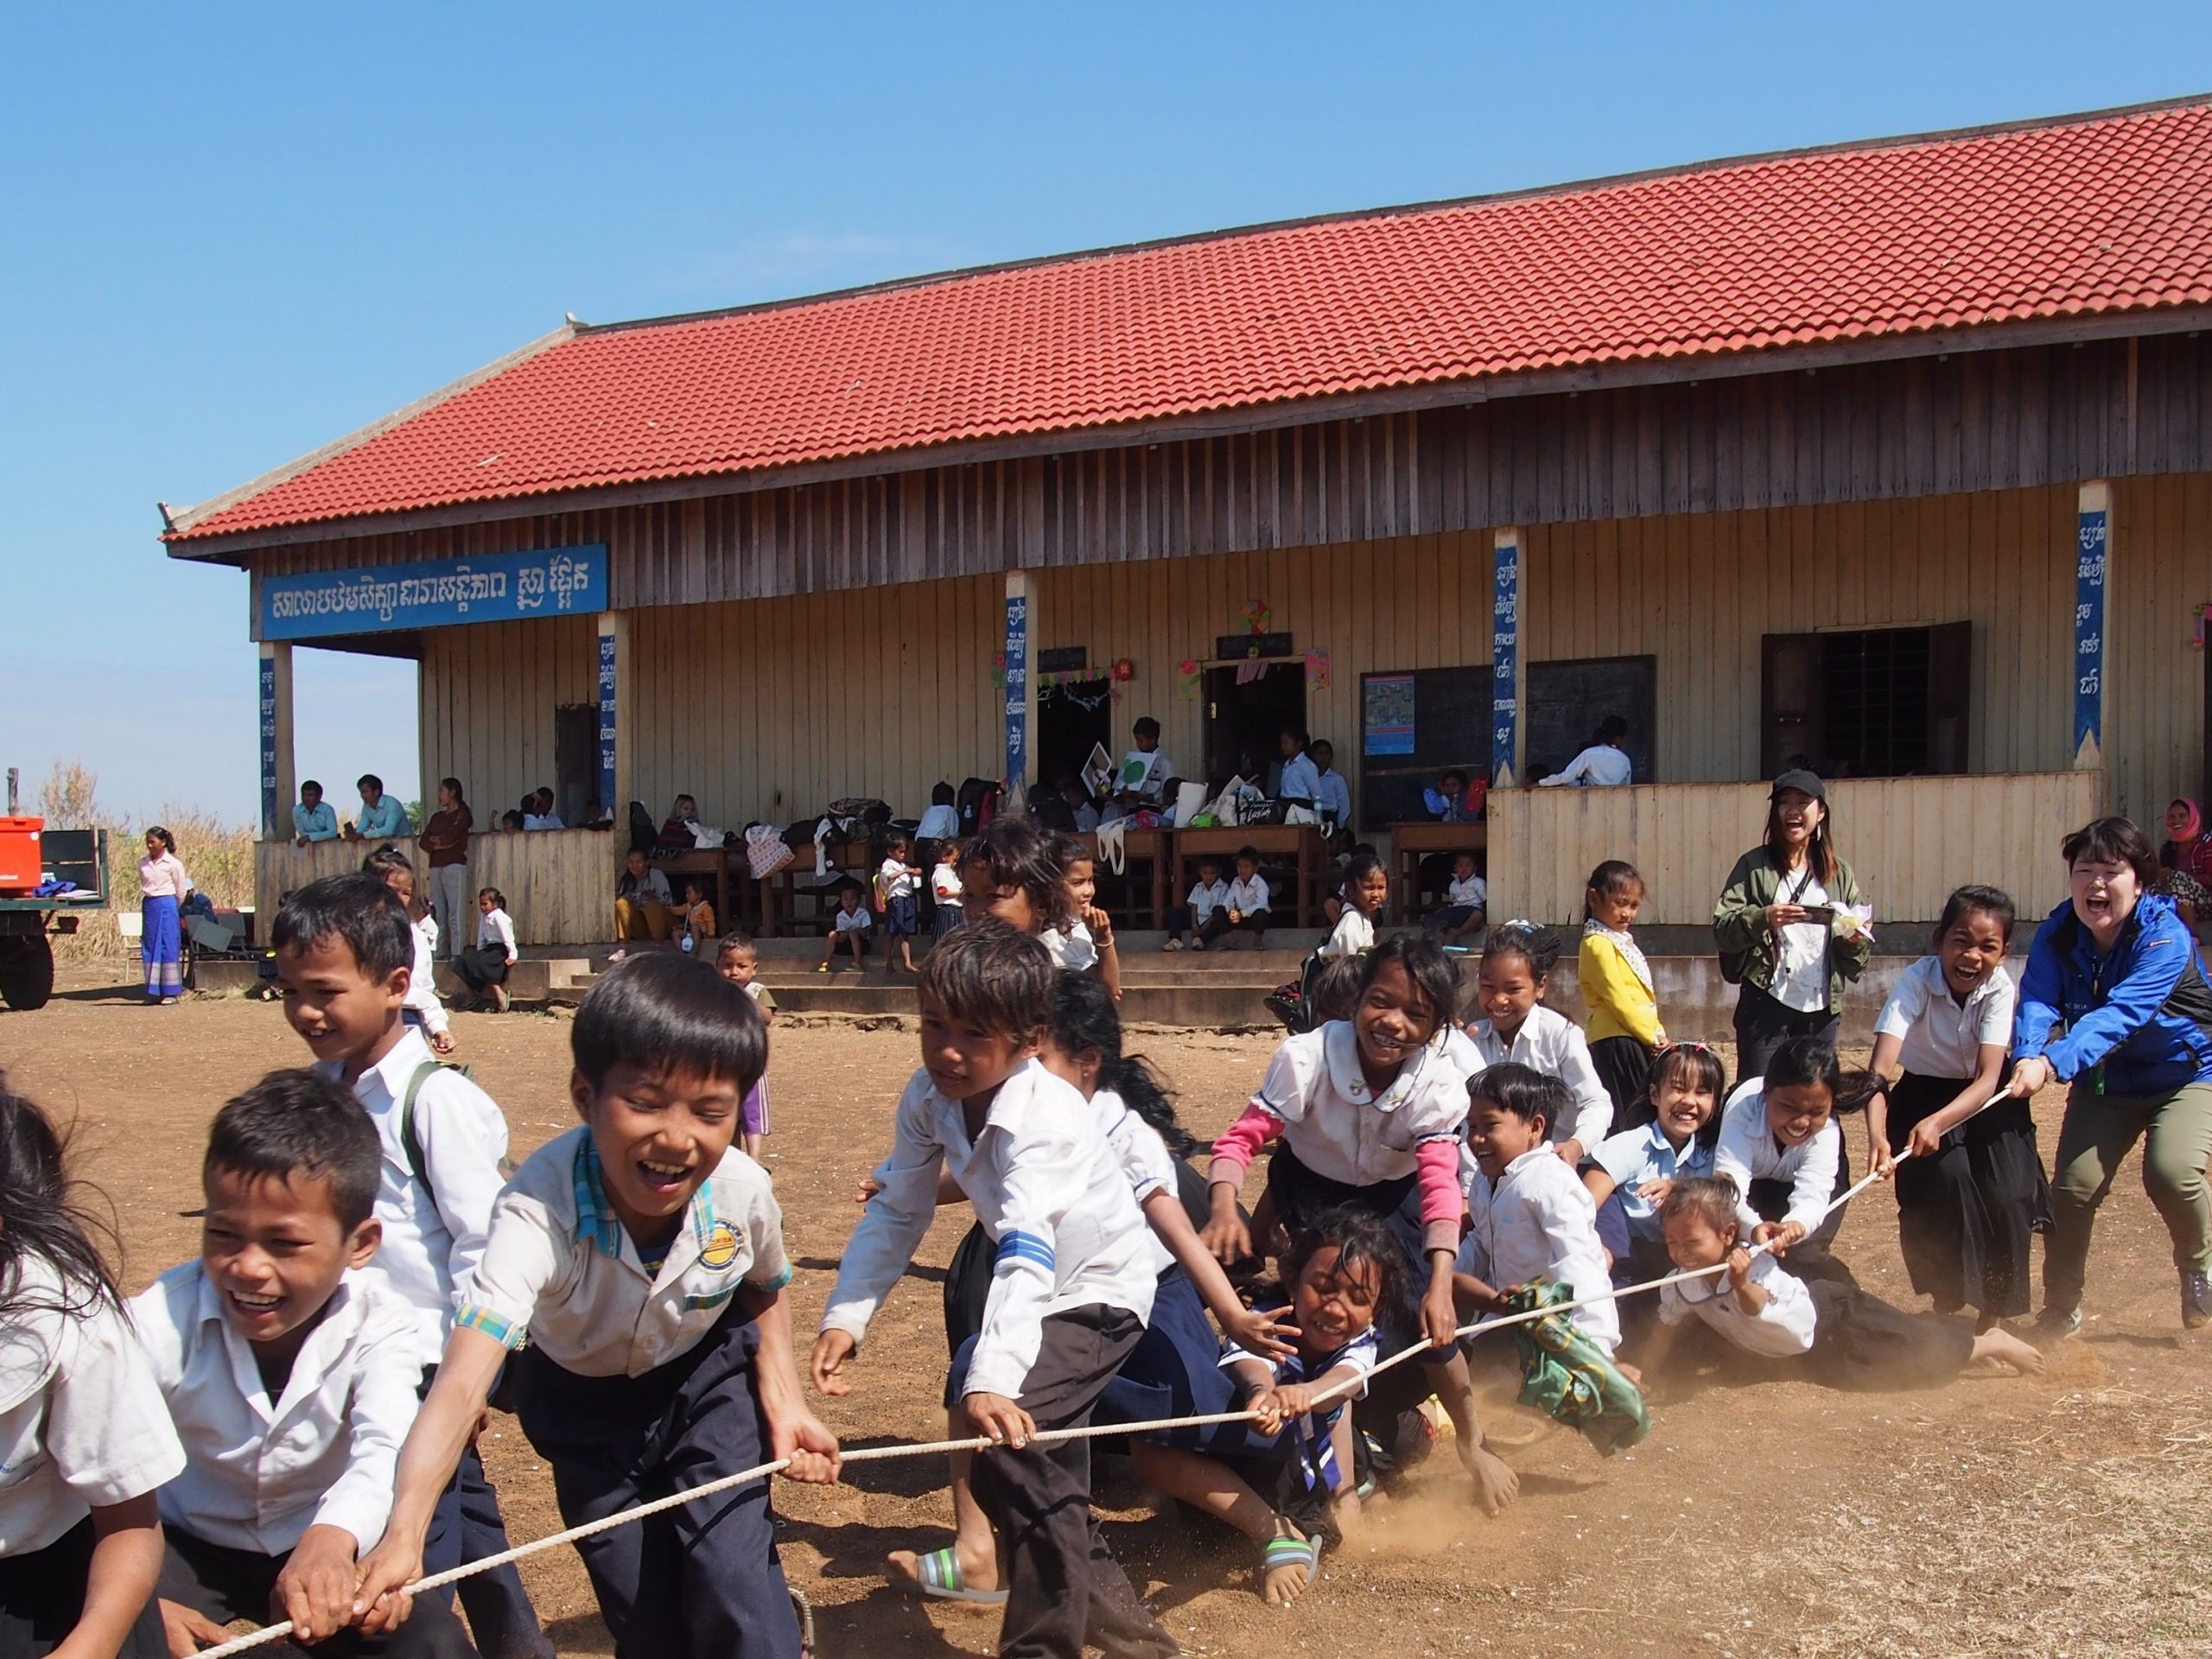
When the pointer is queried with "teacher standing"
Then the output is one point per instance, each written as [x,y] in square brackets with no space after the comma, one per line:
[1785,927]
[163,888]
[2116,969]
[445,838]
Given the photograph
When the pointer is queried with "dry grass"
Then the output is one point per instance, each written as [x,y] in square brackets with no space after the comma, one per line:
[217,856]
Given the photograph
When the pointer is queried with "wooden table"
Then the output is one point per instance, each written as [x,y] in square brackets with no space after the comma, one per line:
[1412,843]
[854,860]
[1303,843]
[1153,848]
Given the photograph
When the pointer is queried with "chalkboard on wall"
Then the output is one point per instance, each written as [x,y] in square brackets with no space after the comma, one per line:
[1565,702]
[1450,719]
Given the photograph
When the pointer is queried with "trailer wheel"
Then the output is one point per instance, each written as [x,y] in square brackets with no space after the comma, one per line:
[26,971]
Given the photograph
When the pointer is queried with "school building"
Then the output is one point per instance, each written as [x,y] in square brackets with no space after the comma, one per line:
[1897,455]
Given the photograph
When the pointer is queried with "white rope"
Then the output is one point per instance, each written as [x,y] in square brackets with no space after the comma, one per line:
[1055,1436]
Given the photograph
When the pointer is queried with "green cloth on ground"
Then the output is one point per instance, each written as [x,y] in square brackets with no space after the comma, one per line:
[1571,1377]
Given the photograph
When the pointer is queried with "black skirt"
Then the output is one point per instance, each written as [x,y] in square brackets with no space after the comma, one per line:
[1861,1342]
[1966,1215]
[1624,1065]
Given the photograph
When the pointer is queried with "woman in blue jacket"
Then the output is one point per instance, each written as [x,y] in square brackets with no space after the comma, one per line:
[2116,967]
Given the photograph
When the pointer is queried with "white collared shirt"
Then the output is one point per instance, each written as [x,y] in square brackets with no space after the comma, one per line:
[944,886]
[1940,1037]
[1538,1221]
[432,1236]
[1048,1191]
[1343,1130]
[495,926]
[1473,893]
[1551,1043]
[421,983]
[1245,897]
[1207,897]
[1748,1152]
[82,1423]
[261,1473]
[1354,936]
[1074,952]
[562,1270]
[1146,1162]
[1636,1156]
[856,920]
[1782,1328]
[896,879]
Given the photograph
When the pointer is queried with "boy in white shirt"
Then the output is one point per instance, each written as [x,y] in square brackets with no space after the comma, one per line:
[848,927]
[1145,770]
[291,1376]
[899,888]
[641,1258]
[1529,1217]
[1071,1288]
[344,952]
[1208,896]
[1466,909]
[1246,911]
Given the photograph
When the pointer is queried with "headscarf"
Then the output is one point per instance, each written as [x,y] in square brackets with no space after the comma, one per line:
[2194,827]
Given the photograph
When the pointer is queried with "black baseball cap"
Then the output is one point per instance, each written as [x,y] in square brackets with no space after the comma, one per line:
[1805,783]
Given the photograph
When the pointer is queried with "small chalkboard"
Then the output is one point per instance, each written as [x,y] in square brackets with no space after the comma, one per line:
[1565,700]
[1450,720]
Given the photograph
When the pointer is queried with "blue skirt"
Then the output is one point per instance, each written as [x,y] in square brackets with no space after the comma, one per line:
[1175,1371]
[162,946]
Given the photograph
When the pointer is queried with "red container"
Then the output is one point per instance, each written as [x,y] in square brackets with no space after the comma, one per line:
[19,854]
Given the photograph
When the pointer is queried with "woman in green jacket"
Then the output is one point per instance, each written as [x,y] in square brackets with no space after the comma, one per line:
[1785,928]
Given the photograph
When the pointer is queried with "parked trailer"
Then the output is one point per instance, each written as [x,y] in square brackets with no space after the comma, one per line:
[28,919]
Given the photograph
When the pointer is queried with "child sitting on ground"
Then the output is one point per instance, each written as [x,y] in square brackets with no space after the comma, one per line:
[290,1375]
[1848,1338]
[1527,1217]
[640,1258]
[1466,903]
[1246,908]
[1509,991]
[696,931]
[1367,889]
[1073,1279]
[738,961]
[1208,898]
[343,950]
[87,1438]
[898,890]
[1080,935]
[848,927]
[1615,981]
[1630,1173]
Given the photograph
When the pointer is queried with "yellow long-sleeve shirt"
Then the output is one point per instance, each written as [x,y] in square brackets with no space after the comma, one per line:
[1619,1004]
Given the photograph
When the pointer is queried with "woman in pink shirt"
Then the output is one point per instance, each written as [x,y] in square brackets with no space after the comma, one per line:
[163,888]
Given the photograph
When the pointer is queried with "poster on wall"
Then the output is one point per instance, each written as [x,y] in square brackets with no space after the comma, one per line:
[1387,713]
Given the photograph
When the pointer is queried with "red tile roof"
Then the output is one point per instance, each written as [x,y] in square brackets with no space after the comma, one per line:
[2095,214]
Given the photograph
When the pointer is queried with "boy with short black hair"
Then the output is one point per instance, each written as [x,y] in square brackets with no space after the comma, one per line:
[641,1255]
[1071,1288]
[290,1374]
[344,956]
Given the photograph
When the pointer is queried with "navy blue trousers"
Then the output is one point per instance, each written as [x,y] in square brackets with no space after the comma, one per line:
[466,1526]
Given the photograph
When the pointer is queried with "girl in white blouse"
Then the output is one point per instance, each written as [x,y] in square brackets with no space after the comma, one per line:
[1781,1146]
[1509,991]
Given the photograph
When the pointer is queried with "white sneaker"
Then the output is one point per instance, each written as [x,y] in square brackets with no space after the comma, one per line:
[1173,945]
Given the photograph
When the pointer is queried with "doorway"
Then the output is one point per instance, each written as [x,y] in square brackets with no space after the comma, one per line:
[1073,716]
[1246,715]
[576,761]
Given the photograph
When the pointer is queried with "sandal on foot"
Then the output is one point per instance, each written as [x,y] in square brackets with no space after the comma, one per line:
[1278,1553]
[939,1574]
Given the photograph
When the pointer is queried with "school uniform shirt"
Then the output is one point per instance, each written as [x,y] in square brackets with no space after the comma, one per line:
[1636,1156]
[1938,1036]
[944,886]
[496,927]
[1551,1043]
[316,822]
[1747,1151]
[433,1236]
[562,1271]
[1317,1451]
[82,1423]
[1247,897]
[1145,1162]
[1334,796]
[421,983]
[1600,765]
[324,1452]
[896,880]
[1048,1191]
[1074,952]
[542,820]
[1800,961]
[1538,1221]
[386,818]
[1353,935]
[1302,779]
[1473,893]
[1781,1330]
[1144,772]
[940,823]
[1315,1097]
[1207,897]
[852,921]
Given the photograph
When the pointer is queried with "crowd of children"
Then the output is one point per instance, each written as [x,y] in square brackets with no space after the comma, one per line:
[285,1427]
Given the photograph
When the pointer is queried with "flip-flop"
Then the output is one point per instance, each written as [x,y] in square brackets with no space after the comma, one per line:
[1280,1552]
[938,1574]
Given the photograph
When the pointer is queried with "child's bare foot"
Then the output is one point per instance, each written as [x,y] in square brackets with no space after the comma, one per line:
[1496,1485]
[960,1574]
[2001,1347]
[1288,1565]
[1634,1373]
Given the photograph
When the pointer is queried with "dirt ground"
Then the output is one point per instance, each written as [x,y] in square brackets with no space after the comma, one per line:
[2070,1516]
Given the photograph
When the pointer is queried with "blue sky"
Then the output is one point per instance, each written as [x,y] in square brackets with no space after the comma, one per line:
[233,234]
